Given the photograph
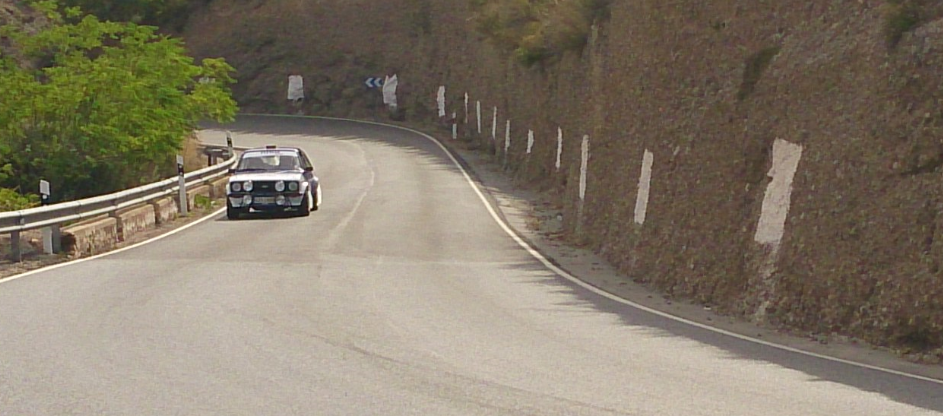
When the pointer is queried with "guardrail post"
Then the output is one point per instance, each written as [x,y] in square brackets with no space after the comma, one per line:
[16,254]
[182,184]
[52,240]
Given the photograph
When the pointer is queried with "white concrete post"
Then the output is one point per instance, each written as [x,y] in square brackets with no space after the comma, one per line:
[494,125]
[478,115]
[584,166]
[507,141]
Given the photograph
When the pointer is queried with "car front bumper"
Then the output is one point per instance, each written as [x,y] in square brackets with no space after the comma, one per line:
[266,202]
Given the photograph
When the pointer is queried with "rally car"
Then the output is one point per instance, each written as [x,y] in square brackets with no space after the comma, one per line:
[272,180]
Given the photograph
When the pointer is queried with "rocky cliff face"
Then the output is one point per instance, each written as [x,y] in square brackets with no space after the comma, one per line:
[707,89]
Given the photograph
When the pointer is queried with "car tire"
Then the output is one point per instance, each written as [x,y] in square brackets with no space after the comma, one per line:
[304,211]
[231,213]
[317,200]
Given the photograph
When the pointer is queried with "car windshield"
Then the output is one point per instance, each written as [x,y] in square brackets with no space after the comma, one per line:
[269,161]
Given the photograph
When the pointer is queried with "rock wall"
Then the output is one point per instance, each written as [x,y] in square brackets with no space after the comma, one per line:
[706,89]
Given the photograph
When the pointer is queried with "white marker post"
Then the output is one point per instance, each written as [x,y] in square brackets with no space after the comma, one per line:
[494,125]
[559,147]
[466,108]
[182,184]
[454,126]
[584,170]
[644,187]
[584,166]
[530,141]
[507,142]
[478,115]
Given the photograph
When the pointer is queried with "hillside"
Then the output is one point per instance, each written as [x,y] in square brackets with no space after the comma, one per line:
[851,87]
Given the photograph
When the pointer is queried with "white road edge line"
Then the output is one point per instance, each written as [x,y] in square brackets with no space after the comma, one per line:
[563,273]
[98,256]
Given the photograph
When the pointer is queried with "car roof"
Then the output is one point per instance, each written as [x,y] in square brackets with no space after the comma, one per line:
[275,150]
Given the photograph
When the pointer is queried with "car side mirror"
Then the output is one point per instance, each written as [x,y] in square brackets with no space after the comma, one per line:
[309,169]
[231,170]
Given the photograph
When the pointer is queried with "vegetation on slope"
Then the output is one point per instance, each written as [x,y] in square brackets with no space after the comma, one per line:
[103,106]
[163,13]
[537,30]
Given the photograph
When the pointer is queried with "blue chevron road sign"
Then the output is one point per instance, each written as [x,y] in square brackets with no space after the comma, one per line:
[374,82]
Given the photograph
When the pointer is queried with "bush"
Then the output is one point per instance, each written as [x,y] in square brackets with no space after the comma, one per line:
[755,66]
[900,16]
[11,200]
[168,13]
[537,30]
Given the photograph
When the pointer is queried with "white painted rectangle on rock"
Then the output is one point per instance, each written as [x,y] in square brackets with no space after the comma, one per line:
[530,141]
[296,88]
[584,166]
[440,100]
[466,108]
[559,146]
[772,224]
[644,187]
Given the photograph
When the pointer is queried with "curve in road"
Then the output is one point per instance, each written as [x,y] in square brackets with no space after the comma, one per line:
[401,296]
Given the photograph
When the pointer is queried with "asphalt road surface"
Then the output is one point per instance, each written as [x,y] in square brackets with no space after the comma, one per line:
[401,296]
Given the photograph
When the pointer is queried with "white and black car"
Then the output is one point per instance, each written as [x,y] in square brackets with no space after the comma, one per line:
[272,180]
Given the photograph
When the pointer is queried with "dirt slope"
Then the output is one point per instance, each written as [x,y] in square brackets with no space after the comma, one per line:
[707,88]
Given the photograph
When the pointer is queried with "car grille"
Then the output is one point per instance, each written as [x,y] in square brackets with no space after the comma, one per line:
[263,187]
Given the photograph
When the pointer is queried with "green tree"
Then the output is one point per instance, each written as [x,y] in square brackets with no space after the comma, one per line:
[152,12]
[108,108]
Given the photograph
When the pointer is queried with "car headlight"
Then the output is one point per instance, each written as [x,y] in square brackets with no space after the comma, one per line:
[280,200]
[279,186]
[293,186]
[235,186]
[247,200]
[247,186]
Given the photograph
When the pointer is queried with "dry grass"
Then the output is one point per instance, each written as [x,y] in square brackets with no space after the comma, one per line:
[193,158]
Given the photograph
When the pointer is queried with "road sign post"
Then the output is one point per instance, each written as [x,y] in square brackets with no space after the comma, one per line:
[229,144]
[51,236]
[183,187]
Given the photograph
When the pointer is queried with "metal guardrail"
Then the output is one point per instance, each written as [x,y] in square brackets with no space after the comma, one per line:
[57,214]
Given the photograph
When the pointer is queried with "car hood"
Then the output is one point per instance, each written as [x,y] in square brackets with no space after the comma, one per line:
[267,176]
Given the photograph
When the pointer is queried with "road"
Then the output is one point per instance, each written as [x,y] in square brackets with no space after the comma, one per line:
[401,296]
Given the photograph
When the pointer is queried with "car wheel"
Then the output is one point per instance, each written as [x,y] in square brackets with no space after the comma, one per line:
[304,210]
[231,213]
